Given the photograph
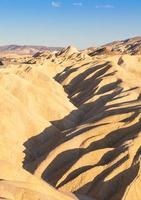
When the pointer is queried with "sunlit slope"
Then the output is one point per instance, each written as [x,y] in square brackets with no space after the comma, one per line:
[31,102]
[18,184]
[73,121]
[102,149]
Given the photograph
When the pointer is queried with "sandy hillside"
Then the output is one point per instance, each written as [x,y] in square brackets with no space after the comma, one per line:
[70,124]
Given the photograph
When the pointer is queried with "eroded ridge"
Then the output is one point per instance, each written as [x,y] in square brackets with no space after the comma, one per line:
[73,121]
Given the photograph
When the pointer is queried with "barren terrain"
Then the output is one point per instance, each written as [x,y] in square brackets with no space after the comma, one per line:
[70,124]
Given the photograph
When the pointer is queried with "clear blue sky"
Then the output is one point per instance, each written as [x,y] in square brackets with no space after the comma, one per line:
[81,23]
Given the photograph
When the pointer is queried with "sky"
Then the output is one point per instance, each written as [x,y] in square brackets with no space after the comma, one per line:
[82,23]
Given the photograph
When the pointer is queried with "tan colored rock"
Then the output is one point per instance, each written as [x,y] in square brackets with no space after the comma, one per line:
[70,127]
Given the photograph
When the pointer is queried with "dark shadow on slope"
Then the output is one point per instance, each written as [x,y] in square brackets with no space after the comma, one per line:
[114,188]
[82,76]
[106,158]
[83,85]
[63,75]
[60,77]
[131,118]
[100,177]
[51,137]
[87,93]
[38,147]
[114,139]
[103,113]
[100,102]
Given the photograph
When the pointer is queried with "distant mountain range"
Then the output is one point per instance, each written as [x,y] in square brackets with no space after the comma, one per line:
[25,49]
[130,46]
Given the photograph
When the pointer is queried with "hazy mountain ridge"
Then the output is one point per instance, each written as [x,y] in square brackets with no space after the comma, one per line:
[26,49]
[129,46]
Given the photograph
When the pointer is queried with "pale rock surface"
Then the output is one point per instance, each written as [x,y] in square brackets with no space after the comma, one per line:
[70,125]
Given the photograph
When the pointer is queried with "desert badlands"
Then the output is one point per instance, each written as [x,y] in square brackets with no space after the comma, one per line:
[70,123]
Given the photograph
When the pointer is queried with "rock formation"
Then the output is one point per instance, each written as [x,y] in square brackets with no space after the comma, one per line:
[71,124]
